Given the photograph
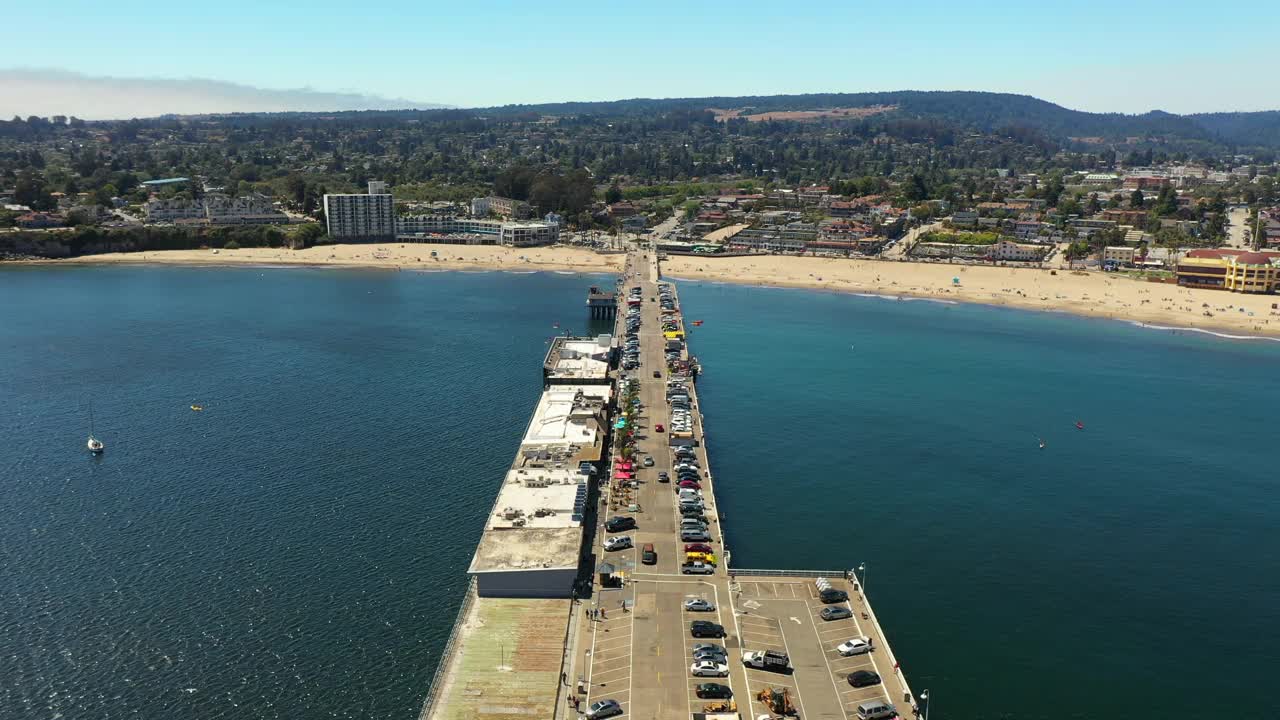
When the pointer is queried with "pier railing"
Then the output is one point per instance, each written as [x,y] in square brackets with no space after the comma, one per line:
[736,572]
[446,656]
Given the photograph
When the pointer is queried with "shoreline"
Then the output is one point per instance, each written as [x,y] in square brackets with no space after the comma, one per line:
[1156,306]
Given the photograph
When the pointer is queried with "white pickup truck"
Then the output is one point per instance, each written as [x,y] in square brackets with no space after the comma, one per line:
[767,660]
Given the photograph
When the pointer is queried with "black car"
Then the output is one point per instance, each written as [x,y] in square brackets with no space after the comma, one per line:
[664,477]
[620,523]
[703,628]
[863,678]
[831,595]
[657,374]
[713,691]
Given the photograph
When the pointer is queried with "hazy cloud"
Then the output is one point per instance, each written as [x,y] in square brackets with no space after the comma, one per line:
[44,92]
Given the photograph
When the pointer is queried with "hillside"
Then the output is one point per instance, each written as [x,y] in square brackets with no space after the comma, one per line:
[983,111]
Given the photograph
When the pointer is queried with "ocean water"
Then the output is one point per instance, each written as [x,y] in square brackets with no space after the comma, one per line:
[1129,569]
[296,550]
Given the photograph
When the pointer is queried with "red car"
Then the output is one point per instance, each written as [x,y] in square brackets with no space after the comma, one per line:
[659,427]
[691,484]
[697,547]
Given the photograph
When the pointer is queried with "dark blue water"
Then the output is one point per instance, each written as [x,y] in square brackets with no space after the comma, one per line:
[296,550]
[1131,569]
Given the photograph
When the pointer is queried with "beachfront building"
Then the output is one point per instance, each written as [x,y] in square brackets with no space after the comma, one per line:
[1234,270]
[356,217]
[1008,250]
[504,207]
[1120,255]
[452,230]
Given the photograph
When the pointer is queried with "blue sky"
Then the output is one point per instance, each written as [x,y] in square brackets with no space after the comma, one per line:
[1127,56]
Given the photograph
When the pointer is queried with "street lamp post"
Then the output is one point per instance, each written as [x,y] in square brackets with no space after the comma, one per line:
[863,568]
[925,697]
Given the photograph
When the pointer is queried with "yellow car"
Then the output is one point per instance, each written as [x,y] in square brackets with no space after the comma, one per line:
[708,558]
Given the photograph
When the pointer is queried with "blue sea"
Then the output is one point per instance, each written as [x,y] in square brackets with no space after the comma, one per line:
[298,548]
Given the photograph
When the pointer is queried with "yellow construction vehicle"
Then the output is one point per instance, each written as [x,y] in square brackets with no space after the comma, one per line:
[778,701]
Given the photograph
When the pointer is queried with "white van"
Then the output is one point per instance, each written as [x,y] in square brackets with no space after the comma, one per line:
[875,709]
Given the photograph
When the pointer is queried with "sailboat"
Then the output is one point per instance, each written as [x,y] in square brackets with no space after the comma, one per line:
[94,444]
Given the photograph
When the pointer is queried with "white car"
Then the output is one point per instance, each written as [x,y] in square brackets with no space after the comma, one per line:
[619,542]
[699,605]
[709,668]
[856,646]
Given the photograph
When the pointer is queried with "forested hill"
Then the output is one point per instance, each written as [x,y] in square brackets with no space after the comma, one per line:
[984,111]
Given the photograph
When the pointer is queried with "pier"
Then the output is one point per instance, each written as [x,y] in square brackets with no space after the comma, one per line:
[624,635]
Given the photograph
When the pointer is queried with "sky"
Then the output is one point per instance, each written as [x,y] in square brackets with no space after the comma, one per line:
[93,59]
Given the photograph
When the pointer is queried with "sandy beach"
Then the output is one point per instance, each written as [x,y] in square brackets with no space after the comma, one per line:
[1097,294]
[406,256]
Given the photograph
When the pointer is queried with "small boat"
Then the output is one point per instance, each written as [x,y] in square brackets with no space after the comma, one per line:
[1079,425]
[197,408]
[697,323]
[1041,443]
[94,444]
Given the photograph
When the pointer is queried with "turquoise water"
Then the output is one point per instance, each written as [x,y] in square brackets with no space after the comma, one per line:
[296,550]
[1130,569]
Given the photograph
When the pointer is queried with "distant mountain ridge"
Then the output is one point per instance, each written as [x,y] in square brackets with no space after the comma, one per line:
[983,111]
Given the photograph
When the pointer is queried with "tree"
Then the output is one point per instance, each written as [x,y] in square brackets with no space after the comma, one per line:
[1136,200]
[296,189]
[31,190]
[613,194]
[1166,202]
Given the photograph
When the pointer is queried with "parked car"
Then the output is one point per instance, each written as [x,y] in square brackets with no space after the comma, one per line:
[702,557]
[699,605]
[697,647]
[617,542]
[603,709]
[697,547]
[706,629]
[648,555]
[713,691]
[619,523]
[692,535]
[863,678]
[717,655]
[835,612]
[856,646]
[697,568]
[709,668]
[832,595]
